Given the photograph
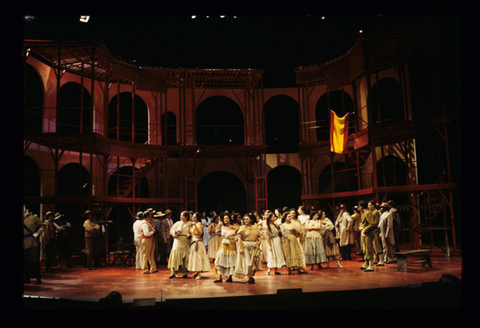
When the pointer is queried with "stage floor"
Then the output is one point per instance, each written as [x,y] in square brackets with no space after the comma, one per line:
[80,284]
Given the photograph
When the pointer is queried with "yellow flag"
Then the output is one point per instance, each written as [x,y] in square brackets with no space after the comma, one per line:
[338,133]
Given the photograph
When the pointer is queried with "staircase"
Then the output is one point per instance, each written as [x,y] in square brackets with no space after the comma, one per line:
[126,186]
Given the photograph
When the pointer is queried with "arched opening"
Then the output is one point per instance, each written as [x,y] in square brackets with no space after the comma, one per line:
[284,187]
[344,179]
[75,109]
[281,125]
[169,129]
[31,181]
[220,191]
[338,101]
[73,180]
[123,179]
[385,101]
[132,111]
[219,121]
[391,171]
[33,101]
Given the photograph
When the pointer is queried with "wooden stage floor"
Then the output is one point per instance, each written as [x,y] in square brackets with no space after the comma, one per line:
[84,286]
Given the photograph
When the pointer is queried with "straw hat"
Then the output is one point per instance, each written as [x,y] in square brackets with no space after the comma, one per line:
[49,213]
[158,214]
[385,205]
[140,216]
[58,215]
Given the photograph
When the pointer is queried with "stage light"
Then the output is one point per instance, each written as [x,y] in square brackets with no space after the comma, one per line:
[361,31]
[323,17]
[29,17]
[193,16]
[222,16]
[84,19]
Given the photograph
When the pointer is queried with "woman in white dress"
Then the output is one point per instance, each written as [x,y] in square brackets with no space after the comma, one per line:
[302,214]
[275,257]
[248,250]
[178,255]
[314,249]
[292,249]
[215,239]
[227,252]
[197,259]
[205,222]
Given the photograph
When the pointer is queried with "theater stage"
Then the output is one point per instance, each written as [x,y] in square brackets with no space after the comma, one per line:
[347,287]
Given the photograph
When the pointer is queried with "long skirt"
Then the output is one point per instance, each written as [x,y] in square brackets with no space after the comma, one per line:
[213,245]
[197,258]
[315,251]
[225,260]
[275,257]
[177,260]
[246,261]
[294,255]
[332,250]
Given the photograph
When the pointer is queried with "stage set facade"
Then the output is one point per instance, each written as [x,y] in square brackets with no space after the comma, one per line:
[107,134]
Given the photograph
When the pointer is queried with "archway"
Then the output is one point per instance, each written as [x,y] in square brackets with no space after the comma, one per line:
[169,129]
[127,114]
[385,101]
[282,125]
[220,191]
[219,121]
[75,109]
[73,180]
[338,101]
[33,101]
[284,186]
[391,171]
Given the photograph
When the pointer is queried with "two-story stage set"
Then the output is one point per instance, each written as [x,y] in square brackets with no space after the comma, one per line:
[106,134]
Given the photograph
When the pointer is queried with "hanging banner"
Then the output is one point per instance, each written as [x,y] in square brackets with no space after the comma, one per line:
[338,133]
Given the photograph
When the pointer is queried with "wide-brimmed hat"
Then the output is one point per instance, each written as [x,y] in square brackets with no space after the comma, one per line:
[140,216]
[49,213]
[167,211]
[58,215]
[385,205]
[158,214]
[87,212]
[343,206]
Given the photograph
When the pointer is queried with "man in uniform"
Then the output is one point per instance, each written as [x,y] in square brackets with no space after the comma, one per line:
[377,242]
[367,226]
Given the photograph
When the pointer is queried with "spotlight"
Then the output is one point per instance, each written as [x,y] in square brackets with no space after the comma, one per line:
[193,16]
[323,17]
[84,19]
[222,16]
[360,31]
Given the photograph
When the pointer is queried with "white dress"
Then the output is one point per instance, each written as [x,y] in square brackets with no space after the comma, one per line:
[246,260]
[227,253]
[275,257]
[179,250]
[197,258]
[206,236]
[214,241]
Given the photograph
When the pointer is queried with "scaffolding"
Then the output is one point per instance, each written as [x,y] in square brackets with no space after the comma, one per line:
[429,206]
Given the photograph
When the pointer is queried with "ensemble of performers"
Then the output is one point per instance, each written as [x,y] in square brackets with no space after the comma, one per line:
[238,245]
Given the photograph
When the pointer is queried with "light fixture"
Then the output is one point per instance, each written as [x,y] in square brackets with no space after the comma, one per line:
[361,31]
[323,17]
[84,19]
[222,16]
[193,16]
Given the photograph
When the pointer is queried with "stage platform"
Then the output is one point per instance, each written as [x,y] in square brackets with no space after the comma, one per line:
[420,287]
